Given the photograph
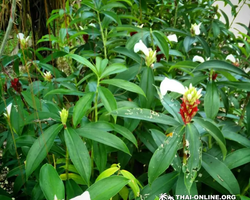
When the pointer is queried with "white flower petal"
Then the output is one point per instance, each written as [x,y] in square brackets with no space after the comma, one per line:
[92,25]
[83,196]
[20,36]
[27,38]
[140,26]
[8,109]
[171,85]
[140,46]
[198,59]
[231,58]
[172,38]
[197,29]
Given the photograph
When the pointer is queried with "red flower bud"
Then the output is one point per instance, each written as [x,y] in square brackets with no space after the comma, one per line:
[16,85]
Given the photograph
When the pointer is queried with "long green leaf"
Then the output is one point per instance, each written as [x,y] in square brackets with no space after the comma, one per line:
[113,69]
[193,148]
[248,116]
[161,41]
[32,100]
[204,45]
[65,92]
[230,135]
[164,155]
[221,65]
[236,85]
[211,100]
[215,132]
[125,133]
[145,114]
[126,85]
[52,186]
[78,153]
[147,84]
[172,106]
[40,148]
[107,187]
[161,185]
[129,53]
[83,61]
[221,173]
[104,138]
[238,158]
[108,99]
[81,107]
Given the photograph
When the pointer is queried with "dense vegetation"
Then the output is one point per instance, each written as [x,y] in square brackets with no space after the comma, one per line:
[124,99]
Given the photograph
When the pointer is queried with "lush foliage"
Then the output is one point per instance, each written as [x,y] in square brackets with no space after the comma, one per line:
[92,115]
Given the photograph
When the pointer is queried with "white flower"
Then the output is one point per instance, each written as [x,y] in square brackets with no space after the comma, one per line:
[140,26]
[92,25]
[8,110]
[198,59]
[21,37]
[195,29]
[171,85]
[140,46]
[231,58]
[172,38]
[150,55]
[23,41]
[83,196]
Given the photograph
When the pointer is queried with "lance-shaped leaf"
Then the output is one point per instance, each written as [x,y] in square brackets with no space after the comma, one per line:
[221,173]
[146,114]
[238,158]
[104,138]
[78,153]
[147,85]
[133,183]
[126,85]
[193,149]
[40,148]
[164,155]
[215,132]
[52,186]
[107,187]
[212,100]
[81,107]
[221,65]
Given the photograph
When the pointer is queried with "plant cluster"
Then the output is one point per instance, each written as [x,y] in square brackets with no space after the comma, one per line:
[135,100]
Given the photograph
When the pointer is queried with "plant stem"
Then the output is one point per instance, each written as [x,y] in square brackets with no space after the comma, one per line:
[96,100]
[176,11]
[67,164]
[244,109]
[210,142]
[152,39]
[10,24]
[237,13]
[102,33]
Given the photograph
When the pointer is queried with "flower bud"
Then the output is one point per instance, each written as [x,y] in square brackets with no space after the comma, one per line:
[190,101]
[150,59]
[48,76]
[195,29]
[64,116]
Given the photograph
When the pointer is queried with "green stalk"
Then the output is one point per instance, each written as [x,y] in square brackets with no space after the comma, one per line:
[237,13]
[244,109]
[152,39]
[67,164]
[10,24]
[103,36]
[175,15]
